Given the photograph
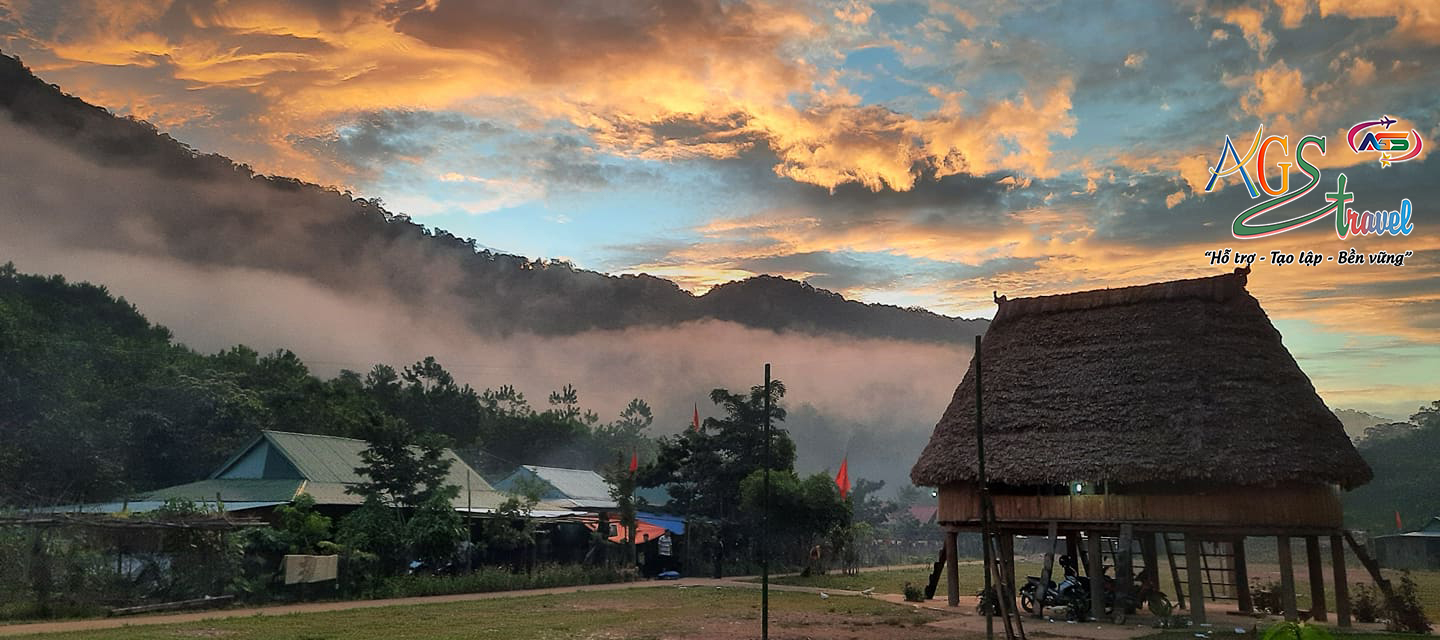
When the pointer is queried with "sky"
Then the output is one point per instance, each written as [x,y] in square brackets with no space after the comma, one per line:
[910,153]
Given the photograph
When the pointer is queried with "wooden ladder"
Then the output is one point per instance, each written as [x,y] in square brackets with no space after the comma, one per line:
[1217,568]
[1001,568]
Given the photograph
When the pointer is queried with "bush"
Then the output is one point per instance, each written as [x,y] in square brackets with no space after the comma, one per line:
[914,593]
[1404,613]
[1365,603]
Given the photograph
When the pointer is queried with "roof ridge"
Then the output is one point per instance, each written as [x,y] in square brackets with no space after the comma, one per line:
[1218,288]
[313,435]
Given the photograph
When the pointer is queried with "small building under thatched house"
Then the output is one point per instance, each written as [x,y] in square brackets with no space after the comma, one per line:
[1168,414]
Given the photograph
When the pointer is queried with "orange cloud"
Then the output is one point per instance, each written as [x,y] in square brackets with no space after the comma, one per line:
[737,73]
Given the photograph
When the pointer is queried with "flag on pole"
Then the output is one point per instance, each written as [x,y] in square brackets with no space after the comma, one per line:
[1399,526]
[634,461]
[842,479]
[695,422]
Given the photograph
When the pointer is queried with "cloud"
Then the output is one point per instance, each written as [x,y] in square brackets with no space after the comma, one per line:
[1135,60]
[1416,21]
[1251,22]
[739,72]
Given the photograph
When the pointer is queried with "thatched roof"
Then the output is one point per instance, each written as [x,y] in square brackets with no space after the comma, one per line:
[1183,381]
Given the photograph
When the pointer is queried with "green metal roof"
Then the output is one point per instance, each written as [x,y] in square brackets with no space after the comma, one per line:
[277,466]
[322,459]
[231,490]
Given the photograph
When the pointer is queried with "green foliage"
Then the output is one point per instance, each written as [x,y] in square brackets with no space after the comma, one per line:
[705,468]
[512,528]
[1296,631]
[376,529]
[434,531]
[1405,613]
[1366,602]
[97,404]
[402,466]
[914,593]
[301,529]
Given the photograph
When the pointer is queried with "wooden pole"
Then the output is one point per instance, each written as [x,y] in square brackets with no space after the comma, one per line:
[989,553]
[1242,579]
[1047,571]
[952,567]
[1124,570]
[1317,579]
[1342,582]
[1096,570]
[1151,558]
[1197,583]
[1072,545]
[1287,580]
[765,522]
[1007,557]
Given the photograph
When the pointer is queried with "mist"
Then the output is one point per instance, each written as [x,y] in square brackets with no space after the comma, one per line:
[872,399]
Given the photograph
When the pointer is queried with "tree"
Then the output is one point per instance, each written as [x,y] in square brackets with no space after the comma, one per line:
[301,529]
[403,467]
[626,435]
[868,506]
[704,469]
[434,531]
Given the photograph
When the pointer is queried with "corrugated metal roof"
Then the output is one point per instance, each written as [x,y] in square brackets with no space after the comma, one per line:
[332,459]
[327,464]
[230,490]
[144,506]
[575,484]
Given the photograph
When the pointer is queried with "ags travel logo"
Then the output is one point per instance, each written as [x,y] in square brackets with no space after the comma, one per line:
[1371,137]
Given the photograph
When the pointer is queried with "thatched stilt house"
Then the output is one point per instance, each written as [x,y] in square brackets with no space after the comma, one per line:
[1170,408]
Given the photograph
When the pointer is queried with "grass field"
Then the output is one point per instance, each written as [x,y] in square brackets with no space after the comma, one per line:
[638,614]
[893,580]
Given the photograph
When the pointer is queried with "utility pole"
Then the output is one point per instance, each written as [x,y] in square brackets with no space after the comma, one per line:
[985,505]
[765,523]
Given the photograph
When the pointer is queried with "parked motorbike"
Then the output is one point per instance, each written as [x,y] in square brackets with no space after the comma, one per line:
[1072,592]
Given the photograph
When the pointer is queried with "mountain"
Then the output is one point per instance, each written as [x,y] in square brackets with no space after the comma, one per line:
[1402,454]
[206,211]
[1356,421]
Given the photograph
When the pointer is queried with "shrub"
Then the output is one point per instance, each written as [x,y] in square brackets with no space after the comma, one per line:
[1404,612]
[1296,631]
[914,593]
[1365,603]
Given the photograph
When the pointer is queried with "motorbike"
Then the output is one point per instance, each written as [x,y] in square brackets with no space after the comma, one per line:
[1073,592]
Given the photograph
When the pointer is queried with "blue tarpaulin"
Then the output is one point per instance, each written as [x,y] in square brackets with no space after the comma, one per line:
[673,524]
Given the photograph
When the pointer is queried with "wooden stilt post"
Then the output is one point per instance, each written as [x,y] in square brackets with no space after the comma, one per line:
[1342,582]
[1124,571]
[1151,557]
[1242,579]
[952,567]
[1072,546]
[1317,579]
[1096,570]
[1287,580]
[1196,581]
[1047,571]
[1007,558]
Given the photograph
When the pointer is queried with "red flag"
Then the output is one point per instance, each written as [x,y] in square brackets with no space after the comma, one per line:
[695,423]
[842,479]
[634,461]
[1399,526]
